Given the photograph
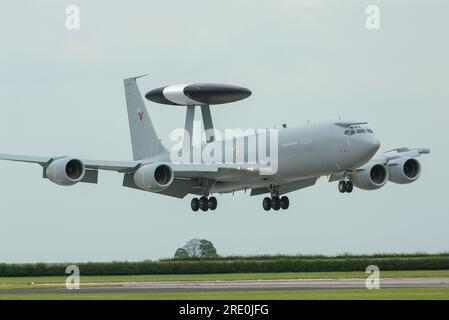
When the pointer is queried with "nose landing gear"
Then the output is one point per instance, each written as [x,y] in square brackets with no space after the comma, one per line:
[345,186]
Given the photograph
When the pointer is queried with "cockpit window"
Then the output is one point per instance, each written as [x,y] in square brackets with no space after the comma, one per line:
[357,130]
[349,132]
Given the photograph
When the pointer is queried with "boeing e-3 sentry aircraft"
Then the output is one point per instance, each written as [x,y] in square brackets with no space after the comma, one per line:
[343,151]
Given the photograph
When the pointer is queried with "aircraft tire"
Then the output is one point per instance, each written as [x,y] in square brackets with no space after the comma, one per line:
[285,202]
[195,204]
[342,186]
[275,203]
[204,203]
[349,186]
[213,203]
[266,203]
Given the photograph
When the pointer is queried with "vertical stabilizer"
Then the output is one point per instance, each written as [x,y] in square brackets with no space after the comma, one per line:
[144,140]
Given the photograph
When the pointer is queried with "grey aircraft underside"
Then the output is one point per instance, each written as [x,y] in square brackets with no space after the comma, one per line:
[343,151]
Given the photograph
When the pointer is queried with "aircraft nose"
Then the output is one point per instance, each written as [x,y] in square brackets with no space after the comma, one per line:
[373,144]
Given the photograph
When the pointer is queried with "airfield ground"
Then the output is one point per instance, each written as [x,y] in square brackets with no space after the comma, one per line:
[317,285]
[354,294]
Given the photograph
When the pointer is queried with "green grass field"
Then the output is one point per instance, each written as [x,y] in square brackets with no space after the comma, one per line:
[6,282]
[359,294]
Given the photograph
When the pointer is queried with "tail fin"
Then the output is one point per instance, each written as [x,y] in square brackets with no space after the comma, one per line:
[144,140]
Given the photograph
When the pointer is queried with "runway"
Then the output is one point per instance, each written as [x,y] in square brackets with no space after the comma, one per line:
[237,285]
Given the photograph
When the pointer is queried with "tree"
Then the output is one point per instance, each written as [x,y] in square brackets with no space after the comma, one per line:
[193,248]
[207,249]
[181,253]
[197,248]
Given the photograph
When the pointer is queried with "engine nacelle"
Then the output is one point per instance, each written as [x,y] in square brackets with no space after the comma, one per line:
[404,170]
[154,177]
[65,171]
[371,176]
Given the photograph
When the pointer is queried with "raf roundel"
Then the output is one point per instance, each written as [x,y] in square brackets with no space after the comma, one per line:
[198,94]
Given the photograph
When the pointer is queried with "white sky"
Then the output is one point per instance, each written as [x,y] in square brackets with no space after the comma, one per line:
[61,93]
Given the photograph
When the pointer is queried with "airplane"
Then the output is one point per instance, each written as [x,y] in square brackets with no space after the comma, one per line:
[343,151]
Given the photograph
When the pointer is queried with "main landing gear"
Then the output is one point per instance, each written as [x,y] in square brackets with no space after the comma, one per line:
[203,203]
[275,203]
[345,186]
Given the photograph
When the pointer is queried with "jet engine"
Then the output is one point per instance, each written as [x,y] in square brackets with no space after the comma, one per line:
[404,170]
[371,176]
[65,171]
[154,177]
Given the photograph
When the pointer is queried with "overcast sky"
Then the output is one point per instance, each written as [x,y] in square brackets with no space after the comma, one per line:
[61,93]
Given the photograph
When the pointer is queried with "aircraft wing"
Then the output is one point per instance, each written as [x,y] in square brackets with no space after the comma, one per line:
[32,159]
[387,156]
[201,170]
[288,187]
[402,152]
[221,172]
[185,175]
[120,166]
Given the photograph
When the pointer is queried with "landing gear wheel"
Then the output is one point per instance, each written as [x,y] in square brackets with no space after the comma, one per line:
[212,203]
[266,203]
[275,203]
[204,203]
[285,202]
[195,204]
[349,186]
[342,186]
